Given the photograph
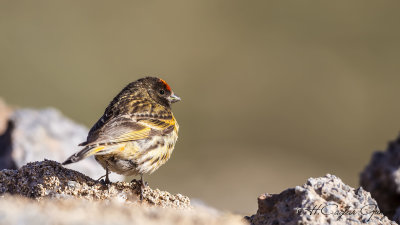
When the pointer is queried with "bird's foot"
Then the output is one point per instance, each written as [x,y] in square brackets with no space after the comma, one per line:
[105,182]
[143,185]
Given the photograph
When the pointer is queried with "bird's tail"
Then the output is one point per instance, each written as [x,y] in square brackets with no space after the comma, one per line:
[85,152]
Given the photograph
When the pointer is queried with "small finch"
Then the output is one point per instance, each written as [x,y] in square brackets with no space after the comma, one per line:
[137,132]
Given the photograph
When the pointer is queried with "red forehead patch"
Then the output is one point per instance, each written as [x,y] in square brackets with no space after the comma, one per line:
[166,85]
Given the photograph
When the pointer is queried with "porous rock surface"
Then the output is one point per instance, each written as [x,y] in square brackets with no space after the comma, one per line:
[320,201]
[46,193]
[381,177]
[48,179]
[14,210]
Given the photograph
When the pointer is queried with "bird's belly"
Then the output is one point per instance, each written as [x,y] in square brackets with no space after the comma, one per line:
[140,157]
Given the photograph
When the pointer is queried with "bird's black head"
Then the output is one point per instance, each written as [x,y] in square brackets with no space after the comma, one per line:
[159,90]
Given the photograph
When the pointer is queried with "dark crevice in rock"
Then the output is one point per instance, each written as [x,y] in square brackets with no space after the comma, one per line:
[6,160]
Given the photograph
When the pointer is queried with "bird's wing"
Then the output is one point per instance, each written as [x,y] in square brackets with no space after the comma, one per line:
[124,129]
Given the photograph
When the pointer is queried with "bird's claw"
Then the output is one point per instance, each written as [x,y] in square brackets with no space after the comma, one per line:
[142,185]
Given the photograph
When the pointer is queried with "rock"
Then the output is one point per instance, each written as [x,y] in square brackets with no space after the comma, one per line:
[33,135]
[14,210]
[5,113]
[46,133]
[64,196]
[6,160]
[48,179]
[6,128]
[324,200]
[381,177]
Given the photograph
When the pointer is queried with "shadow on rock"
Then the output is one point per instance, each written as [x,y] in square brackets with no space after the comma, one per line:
[6,160]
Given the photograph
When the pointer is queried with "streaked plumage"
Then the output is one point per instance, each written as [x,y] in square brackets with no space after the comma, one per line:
[137,132]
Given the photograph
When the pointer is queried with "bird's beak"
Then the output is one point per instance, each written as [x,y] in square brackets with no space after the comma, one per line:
[173,98]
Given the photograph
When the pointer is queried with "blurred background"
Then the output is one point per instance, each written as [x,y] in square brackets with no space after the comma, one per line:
[274,92]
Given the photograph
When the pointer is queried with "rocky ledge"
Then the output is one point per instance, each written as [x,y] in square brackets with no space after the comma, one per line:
[47,193]
[48,179]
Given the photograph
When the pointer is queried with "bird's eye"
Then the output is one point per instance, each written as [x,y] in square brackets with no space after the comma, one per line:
[162,92]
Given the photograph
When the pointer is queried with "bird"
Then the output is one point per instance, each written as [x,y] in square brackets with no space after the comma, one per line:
[137,132]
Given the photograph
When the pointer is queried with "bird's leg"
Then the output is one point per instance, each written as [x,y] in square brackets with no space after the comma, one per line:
[142,186]
[107,180]
[143,183]
[101,178]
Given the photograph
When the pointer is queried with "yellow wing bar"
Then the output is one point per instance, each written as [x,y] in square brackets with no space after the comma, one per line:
[134,135]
